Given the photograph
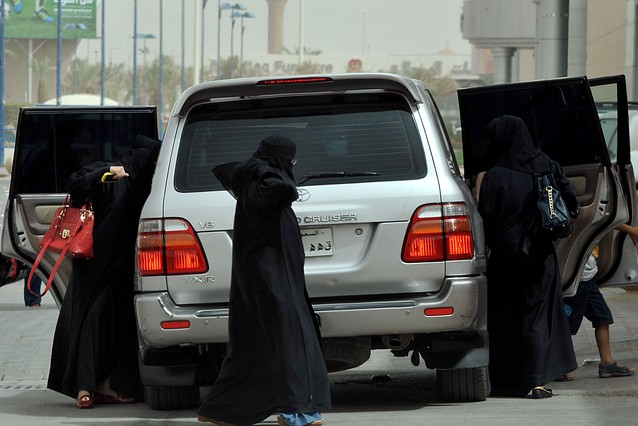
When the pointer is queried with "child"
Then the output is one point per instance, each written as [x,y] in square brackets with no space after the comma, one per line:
[590,303]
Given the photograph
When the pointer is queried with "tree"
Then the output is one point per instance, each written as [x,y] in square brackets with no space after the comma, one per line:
[41,68]
[172,81]
[307,51]
[82,78]
[439,86]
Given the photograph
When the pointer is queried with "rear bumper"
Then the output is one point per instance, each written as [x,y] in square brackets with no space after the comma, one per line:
[467,296]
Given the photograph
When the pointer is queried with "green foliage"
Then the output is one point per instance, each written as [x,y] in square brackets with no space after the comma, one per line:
[439,86]
[307,51]
[11,112]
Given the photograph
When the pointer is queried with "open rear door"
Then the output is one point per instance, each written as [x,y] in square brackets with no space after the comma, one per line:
[563,121]
[52,143]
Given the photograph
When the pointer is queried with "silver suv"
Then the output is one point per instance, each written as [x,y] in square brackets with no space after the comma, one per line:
[393,241]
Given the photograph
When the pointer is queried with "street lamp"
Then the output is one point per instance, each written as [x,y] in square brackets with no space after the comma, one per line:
[220,8]
[201,71]
[242,15]
[143,51]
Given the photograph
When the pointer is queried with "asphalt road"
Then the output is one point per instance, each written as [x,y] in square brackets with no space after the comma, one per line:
[385,390]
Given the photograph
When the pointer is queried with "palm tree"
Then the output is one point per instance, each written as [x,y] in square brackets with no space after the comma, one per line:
[172,81]
[84,78]
[41,68]
[307,51]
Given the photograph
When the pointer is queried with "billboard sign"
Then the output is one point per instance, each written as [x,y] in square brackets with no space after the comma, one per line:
[39,19]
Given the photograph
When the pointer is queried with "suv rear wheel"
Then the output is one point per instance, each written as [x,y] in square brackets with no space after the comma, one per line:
[462,384]
[171,397]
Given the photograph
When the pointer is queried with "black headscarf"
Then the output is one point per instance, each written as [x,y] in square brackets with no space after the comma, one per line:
[142,158]
[509,144]
[277,151]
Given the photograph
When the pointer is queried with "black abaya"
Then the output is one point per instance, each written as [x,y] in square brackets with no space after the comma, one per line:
[530,344]
[275,362]
[95,336]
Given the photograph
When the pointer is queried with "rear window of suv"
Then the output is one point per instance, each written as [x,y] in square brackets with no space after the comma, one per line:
[343,138]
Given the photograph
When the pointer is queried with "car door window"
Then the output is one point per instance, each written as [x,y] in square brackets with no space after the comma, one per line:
[54,145]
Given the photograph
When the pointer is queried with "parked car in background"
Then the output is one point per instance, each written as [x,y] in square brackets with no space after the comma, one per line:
[607,112]
[9,136]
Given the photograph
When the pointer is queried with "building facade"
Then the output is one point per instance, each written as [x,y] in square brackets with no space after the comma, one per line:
[531,39]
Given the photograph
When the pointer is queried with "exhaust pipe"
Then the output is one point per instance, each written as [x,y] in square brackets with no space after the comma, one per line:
[397,342]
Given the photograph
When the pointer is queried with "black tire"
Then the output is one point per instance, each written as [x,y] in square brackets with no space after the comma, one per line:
[171,397]
[344,353]
[462,384]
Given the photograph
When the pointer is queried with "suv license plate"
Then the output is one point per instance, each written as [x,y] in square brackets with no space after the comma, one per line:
[317,242]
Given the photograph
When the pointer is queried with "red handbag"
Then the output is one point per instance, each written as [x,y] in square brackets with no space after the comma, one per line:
[70,234]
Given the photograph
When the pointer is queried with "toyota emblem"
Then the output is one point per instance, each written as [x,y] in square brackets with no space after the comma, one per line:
[304,195]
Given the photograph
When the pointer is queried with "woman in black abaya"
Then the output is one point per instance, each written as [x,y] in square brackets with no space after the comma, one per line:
[94,355]
[530,344]
[274,364]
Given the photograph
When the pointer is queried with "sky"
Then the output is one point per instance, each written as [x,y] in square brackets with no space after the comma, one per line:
[335,27]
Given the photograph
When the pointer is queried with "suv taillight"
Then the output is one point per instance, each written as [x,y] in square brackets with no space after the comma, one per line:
[169,247]
[439,232]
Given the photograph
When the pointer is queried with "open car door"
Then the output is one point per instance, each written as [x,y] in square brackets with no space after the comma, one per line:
[617,259]
[52,143]
[562,118]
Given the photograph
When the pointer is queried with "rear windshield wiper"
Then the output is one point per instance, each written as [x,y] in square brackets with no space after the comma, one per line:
[307,177]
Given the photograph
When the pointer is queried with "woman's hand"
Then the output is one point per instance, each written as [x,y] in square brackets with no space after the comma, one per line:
[118,172]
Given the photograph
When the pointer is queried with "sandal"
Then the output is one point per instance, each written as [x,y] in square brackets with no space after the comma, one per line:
[567,377]
[541,393]
[614,370]
[84,401]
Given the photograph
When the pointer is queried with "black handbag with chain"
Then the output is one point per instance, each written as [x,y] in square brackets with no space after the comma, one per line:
[554,217]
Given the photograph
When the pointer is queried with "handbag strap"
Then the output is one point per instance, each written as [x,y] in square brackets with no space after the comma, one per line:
[62,254]
[53,272]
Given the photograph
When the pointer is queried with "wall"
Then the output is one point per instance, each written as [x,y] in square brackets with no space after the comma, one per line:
[606,37]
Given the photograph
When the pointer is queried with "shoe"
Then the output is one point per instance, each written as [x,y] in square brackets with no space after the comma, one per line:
[614,370]
[84,401]
[17,6]
[541,393]
[101,398]
[43,16]
[282,422]
[567,377]
[205,419]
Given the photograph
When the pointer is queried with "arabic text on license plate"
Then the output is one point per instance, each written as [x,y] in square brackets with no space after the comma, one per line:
[317,242]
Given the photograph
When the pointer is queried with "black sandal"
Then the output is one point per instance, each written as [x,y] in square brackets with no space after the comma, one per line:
[614,370]
[541,393]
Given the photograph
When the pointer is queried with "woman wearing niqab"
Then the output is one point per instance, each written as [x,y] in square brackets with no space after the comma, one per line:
[274,363]
[530,344]
[94,354]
